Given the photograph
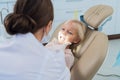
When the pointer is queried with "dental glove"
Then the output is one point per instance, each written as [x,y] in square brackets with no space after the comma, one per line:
[69,58]
[54,45]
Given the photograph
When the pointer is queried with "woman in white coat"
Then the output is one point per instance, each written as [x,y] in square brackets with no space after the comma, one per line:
[24,57]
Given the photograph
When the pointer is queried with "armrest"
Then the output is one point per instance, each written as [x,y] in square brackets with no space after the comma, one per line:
[91,60]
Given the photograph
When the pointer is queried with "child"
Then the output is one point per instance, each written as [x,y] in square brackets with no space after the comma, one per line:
[71,31]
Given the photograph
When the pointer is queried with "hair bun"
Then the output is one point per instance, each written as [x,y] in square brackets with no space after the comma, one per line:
[19,23]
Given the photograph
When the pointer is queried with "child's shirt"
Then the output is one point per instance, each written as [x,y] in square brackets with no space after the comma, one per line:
[69,58]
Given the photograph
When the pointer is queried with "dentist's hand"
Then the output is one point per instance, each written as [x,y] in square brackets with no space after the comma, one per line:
[54,45]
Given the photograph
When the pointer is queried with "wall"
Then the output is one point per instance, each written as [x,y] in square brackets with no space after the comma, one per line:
[6,6]
[72,9]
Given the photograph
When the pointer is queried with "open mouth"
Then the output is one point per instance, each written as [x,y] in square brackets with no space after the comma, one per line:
[62,38]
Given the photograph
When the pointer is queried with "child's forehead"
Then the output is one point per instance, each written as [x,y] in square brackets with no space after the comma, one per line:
[70,24]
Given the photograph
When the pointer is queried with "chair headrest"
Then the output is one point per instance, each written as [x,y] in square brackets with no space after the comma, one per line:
[95,15]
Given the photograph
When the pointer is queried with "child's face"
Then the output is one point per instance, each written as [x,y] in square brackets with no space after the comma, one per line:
[68,33]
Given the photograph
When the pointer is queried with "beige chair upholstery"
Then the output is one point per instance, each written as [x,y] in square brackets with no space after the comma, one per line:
[90,54]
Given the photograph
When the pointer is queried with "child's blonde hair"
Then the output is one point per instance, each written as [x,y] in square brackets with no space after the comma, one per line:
[80,26]
[81,32]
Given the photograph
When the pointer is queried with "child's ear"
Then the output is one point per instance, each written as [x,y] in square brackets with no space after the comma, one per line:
[49,26]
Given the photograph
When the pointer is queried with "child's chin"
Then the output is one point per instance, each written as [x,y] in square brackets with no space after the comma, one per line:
[61,42]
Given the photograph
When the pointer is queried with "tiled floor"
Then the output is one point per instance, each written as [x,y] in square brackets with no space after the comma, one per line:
[110,70]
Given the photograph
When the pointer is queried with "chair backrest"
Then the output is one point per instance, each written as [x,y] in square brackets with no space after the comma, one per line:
[95,15]
[91,53]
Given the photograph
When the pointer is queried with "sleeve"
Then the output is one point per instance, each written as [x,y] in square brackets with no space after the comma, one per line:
[69,58]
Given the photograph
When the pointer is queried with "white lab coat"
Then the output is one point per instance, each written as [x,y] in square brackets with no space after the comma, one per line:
[24,58]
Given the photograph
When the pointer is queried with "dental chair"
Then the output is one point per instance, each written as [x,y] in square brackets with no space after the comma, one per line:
[90,54]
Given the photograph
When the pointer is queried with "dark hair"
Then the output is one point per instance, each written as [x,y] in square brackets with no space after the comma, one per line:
[29,16]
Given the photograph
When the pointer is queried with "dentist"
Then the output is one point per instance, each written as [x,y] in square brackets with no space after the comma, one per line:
[23,57]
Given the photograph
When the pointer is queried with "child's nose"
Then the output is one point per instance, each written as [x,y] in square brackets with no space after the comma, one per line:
[64,33]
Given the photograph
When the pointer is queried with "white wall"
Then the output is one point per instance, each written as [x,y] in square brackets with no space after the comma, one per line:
[6,6]
[72,9]
[110,69]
